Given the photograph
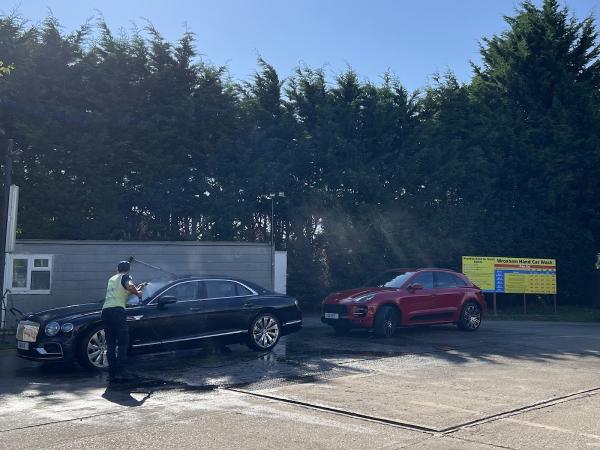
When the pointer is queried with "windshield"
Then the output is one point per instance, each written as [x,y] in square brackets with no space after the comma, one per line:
[148,290]
[391,279]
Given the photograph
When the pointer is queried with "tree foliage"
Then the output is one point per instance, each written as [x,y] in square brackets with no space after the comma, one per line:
[129,136]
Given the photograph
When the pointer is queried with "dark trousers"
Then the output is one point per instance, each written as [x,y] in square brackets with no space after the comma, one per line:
[117,339]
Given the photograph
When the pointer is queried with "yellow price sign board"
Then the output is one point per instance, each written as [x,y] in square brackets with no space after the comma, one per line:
[511,275]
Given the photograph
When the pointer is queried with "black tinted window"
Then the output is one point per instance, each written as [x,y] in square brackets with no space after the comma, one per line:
[220,288]
[425,279]
[241,290]
[389,279]
[459,281]
[184,291]
[444,280]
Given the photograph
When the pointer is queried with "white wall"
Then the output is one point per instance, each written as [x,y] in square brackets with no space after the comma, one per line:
[280,272]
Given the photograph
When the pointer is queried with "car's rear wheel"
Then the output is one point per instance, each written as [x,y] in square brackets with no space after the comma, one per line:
[92,351]
[386,321]
[470,317]
[264,332]
[341,328]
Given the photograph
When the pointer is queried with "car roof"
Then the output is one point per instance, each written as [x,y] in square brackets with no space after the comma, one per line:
[209,275]
[255,286]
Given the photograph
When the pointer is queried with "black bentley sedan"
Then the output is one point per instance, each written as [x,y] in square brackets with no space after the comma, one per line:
[176,313]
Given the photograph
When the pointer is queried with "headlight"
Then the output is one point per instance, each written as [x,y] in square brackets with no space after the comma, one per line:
[52,329]
[67,327]
[363,298]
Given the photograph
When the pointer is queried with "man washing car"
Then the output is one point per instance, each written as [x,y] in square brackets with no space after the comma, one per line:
[119,288]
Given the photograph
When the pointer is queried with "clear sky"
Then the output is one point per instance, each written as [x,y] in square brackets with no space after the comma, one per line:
[412,38]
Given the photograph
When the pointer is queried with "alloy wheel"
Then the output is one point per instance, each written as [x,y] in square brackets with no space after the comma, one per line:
[389,324]
[472,317]
[97,350]
[265,331]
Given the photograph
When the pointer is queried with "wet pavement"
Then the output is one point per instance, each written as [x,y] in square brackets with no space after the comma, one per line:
[511,384]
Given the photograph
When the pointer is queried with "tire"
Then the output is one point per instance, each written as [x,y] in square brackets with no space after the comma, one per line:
[91,351]
[341,329]
[386,321]
[264,332]
[470,317]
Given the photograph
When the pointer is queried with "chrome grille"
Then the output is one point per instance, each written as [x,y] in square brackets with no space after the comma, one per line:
[27,331]
[360,311]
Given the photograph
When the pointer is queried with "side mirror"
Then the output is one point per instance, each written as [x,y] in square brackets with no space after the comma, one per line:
[415,287]
[166,300]
[133,301]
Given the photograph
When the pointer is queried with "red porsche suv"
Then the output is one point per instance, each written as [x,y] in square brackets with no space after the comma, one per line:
[401,297]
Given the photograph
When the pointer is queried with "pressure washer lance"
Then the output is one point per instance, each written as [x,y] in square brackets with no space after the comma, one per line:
[133,259]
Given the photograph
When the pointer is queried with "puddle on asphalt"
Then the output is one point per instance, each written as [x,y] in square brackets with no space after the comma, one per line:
[290,361]
[293,359]
[284,352]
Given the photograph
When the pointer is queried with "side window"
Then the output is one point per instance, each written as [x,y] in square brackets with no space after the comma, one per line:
[425,279]
[459,281]
[444,280]
[220,288]
[184,291]
[241,290]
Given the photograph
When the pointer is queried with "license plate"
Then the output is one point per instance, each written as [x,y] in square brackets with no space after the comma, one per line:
[332,316]
[22,345]
[27,331]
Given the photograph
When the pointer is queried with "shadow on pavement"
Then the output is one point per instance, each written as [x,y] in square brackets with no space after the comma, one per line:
[122,395]
[313,354]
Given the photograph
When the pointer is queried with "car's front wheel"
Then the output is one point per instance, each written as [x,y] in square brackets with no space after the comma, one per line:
[264,332]
[470,317]
[386,321]
[92,351]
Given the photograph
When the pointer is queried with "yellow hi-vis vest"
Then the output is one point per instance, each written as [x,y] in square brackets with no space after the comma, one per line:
[116,294]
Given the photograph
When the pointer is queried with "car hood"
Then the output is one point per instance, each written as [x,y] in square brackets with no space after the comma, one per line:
[65,313]
[348,295]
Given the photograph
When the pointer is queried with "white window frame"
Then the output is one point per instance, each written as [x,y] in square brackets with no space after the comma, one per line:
[30,260]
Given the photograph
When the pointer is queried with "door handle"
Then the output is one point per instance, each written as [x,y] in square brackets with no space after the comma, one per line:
[133,318]
[247,304]
[196,309]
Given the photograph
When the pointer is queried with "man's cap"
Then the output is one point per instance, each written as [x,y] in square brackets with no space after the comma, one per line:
[123,266]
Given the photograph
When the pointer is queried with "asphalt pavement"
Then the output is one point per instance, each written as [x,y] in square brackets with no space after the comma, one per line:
[508,385]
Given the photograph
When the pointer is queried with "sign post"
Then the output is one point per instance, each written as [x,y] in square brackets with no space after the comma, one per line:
[8,168]
[9,246]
